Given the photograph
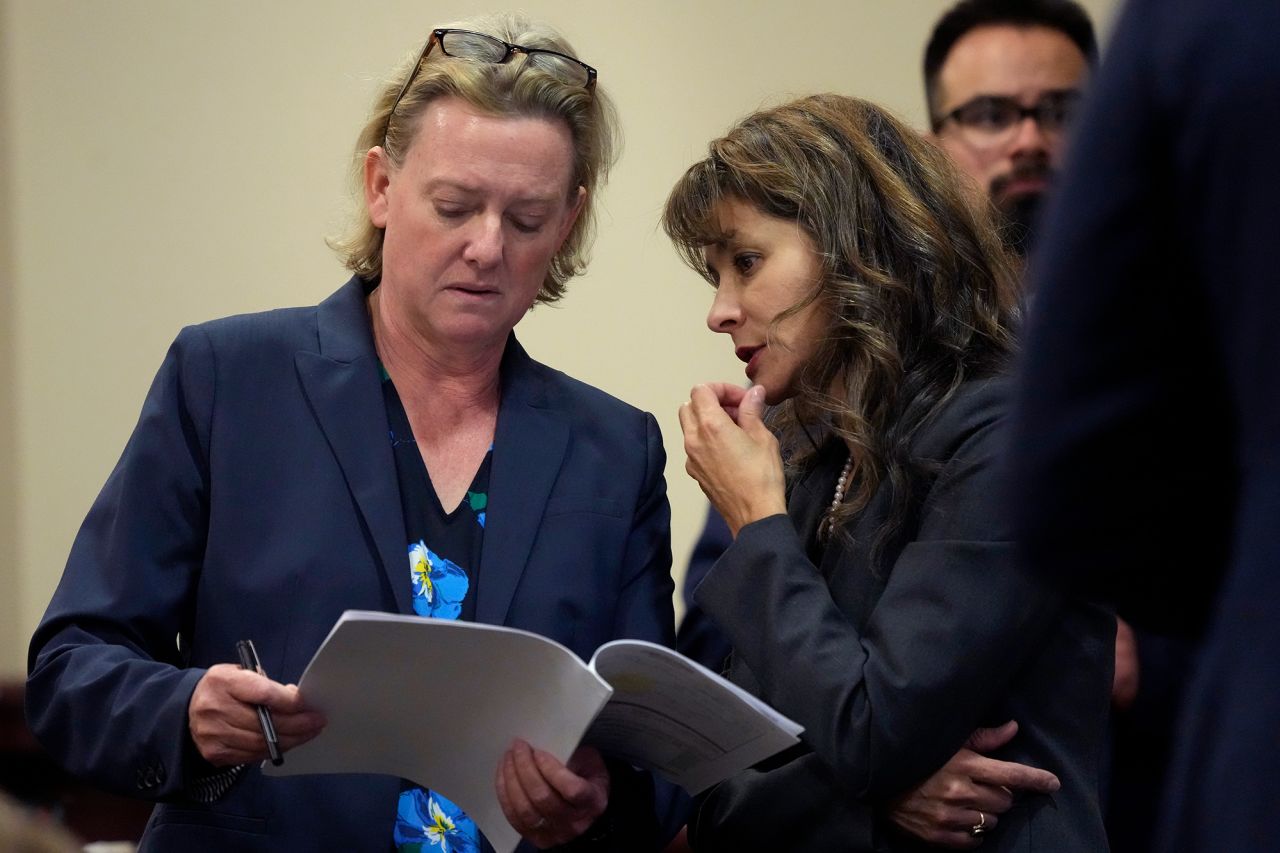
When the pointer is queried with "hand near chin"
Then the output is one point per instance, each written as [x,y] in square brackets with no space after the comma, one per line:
[732,454]
[729,396]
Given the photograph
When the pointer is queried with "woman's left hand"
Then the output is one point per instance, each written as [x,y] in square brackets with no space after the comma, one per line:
[547,802]
[737,464]
[963,800]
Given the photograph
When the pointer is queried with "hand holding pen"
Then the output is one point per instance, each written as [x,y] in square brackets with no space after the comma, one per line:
[223,715]
[249,660]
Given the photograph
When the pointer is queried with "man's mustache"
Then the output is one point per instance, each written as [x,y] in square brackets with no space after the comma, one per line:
[1029,170]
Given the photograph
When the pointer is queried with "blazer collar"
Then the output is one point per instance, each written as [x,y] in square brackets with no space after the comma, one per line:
[342,323]
[810,496]
[344,386]
[528,449]
[343,383]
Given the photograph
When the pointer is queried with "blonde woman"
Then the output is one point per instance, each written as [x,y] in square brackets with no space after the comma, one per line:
[358,454]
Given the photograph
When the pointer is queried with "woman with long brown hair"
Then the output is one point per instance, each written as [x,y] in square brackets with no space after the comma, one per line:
[872,591]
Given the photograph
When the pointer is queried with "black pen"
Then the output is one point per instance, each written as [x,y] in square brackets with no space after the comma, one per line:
[249,660]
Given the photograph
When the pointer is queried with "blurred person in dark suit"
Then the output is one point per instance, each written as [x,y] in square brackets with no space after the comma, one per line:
[1146,453]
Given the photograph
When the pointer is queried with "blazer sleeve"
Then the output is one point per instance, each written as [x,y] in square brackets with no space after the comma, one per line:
[797,804]
[886,704]
[107,691]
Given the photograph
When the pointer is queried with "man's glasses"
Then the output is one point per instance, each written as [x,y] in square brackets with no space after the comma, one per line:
[478,47]
[990,117]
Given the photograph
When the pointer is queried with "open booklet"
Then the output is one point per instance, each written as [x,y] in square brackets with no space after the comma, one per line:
[438,702]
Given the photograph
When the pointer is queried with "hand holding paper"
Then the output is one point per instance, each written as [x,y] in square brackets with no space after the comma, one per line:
[546,801]
[441,703]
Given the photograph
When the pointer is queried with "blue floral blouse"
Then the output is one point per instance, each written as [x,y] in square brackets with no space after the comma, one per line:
[444,562]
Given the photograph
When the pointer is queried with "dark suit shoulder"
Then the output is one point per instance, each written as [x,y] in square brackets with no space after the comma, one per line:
[974,415]
[337,329]
[588,400]
[285,328]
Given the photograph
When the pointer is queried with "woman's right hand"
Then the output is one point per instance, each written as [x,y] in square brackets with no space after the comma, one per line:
[224,720]
[732,454]
[969,791]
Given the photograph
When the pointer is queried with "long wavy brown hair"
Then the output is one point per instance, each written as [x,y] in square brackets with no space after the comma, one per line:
[920,293]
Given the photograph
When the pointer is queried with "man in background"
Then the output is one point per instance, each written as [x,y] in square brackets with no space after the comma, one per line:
[1002,81]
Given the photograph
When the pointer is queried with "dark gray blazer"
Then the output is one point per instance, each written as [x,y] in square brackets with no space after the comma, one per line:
[890,668]
[258,498]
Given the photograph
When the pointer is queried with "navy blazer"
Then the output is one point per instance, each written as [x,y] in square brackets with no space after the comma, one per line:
[257,497]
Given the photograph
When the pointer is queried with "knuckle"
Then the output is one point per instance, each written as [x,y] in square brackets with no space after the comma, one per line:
[542,800]
[580,796]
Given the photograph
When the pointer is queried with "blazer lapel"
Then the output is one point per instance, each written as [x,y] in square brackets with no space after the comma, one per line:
[343,384]
[808,498]
[528,449]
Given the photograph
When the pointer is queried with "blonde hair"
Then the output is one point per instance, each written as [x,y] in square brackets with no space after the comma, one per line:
[919,291]
[511,88]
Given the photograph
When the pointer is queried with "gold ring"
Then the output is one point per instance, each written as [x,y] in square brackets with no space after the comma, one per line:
[979,828]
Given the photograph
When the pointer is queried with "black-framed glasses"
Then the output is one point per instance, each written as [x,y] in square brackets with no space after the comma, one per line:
[995,115]
[479,47]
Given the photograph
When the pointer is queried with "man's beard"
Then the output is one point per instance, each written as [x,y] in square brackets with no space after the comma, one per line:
[1021,217]
[1020,214]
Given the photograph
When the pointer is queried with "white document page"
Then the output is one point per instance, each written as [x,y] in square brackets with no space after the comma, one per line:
[680,719]
[440,707]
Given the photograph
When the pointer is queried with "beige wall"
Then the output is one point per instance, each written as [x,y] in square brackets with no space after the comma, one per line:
[164,163]
[14,623]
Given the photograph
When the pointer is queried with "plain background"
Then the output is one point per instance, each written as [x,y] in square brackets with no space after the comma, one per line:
[165,162]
